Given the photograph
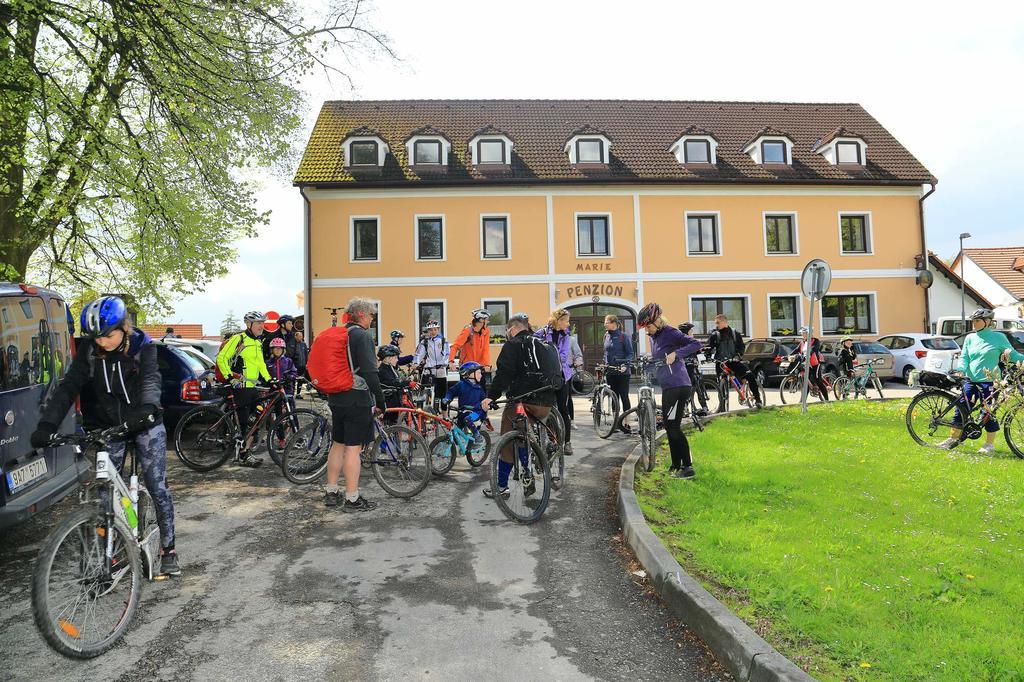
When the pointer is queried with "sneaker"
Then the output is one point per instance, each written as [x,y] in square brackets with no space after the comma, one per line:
[573,424]
[489,494]
[686,472]
[169,563]
[948,444]
[567,449]
[987,449]
[332,498]
[360,505]
[529,486]
[247,460]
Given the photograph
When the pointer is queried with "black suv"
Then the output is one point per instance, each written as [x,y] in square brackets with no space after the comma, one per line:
[762,356]
[35,333]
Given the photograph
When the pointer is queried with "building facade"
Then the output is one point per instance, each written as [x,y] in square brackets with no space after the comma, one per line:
[434,208]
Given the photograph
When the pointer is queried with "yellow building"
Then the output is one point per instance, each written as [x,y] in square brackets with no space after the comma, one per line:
[433,208]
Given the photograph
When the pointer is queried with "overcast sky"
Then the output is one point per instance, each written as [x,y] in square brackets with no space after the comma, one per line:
[941,80]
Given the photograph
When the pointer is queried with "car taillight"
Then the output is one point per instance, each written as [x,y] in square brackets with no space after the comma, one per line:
[190,390]
[920,353]
[521,409]
[777,359]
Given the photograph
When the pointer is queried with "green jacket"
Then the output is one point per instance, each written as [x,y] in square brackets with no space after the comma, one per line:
[254,367]
[981,352]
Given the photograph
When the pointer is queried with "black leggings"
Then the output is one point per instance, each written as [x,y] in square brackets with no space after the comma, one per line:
[620,384]
[673,406]
[245,399]
[564,396]
[819,382]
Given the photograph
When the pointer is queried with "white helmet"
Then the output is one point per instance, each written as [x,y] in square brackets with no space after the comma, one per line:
[254,316]
[481,314]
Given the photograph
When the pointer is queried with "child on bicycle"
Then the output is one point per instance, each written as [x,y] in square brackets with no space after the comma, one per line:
[116,376]
[391,380]
[847,356]
[282,369]
[470,392]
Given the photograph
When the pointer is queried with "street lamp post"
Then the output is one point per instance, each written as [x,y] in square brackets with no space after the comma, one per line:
[963,312]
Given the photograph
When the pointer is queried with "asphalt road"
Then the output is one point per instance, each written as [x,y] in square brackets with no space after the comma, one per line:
[276,586]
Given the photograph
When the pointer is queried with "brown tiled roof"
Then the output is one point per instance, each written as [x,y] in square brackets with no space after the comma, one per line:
[362,131]
[954,277]
[697,130]
[185,331]
[642,132]
[425,130]
[838,132]
[768,131]
[998,262]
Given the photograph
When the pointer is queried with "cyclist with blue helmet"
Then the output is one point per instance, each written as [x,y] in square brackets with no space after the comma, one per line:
[469,391]
[117,377]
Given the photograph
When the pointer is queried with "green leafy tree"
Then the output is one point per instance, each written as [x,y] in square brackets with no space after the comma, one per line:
[230,325]
[129,131]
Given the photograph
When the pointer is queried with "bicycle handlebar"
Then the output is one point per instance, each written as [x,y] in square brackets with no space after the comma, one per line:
[96,436]
[519,398]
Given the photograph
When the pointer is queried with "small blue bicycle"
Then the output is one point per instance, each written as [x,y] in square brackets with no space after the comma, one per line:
[472,440]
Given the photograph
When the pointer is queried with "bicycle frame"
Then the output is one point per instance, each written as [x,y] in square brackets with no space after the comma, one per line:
[734,380]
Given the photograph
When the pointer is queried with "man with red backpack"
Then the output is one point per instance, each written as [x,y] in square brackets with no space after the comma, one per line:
[342,364]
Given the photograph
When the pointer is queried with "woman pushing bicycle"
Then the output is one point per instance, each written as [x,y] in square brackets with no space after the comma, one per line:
[815,349]
[116,375]
[983,350]
[671,346]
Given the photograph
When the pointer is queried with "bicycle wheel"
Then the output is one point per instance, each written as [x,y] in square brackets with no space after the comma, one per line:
[789,389]
[304,457]
[723,393]
[841,389]
[648,440]
[550,439]
[586,382]
[931,415]
[525,504]
[79,609]
[284,426]
[877,383]
[707,393]
[480,448]
[605,406]
[401,461]
[205,437]
[442,454]
[1013,430]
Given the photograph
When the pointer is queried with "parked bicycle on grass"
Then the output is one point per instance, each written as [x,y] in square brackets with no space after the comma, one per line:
[863,377]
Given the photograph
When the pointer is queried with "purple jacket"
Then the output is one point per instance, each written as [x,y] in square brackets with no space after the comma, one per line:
[563,345]
[668,339]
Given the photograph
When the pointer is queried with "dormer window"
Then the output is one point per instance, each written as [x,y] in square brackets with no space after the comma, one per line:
[773,151]
[588,146]
[427,148]
[364,148]
[770,147]
[695,147]
[490,147]
[843,147]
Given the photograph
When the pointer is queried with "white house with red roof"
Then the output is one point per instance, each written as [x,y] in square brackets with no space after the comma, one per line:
[998,275]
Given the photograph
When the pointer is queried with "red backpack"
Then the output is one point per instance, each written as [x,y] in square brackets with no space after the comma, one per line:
[328,365]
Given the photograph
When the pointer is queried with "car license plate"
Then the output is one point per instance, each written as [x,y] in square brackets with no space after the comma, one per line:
[701,357]
[707,370]
[22,476]
[783,365]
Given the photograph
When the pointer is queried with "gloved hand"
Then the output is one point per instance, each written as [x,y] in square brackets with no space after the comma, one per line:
[140,418]
[41,436]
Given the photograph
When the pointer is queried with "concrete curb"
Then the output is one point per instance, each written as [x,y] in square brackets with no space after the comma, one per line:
[747,656]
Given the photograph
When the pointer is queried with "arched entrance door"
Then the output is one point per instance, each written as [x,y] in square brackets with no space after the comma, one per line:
[587,323]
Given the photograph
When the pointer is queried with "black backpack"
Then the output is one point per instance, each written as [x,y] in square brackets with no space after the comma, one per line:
[542,365]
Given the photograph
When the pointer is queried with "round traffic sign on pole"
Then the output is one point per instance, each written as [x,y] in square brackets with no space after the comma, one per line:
[271,324]
[816,279]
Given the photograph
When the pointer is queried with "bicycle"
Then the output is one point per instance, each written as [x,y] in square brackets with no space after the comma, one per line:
[426,423]
[456,440]
[792,385]
[604,403]
[397,456]
[703,385]
[532,442]
[207,436]
[858,384]
[646,411]
[935,412]
[747,396]
[97,552]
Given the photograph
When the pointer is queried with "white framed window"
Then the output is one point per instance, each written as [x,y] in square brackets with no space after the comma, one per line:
[490,147]
[500,310]
[705,307]
[697,151]
[431,309]
[695,147]
[849,312]
[426,153]
[588,147]
[491,151]
[364,151]
[364,239]
[780,233]
[593,235]
[855,234]
[784,314]
[774,151]
[703,234]
[843,148]
[848,152]
[430,238]
[427,148]
[495,237]
[771,148]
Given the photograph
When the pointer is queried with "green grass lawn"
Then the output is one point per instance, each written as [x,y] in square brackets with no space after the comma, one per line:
[851,549]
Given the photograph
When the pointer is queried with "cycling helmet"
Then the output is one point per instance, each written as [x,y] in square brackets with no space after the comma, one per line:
[468,368]
[387,351]
[845,339]
[254,316]
[804,330]
[982,314]
[397,334]
[285,318]
[433,324]
[277,342]
[685,327]
[648,314]
[481,314]
[103,315]
[520,318]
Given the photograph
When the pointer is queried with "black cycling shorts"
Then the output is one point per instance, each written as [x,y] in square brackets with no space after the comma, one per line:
[352,424]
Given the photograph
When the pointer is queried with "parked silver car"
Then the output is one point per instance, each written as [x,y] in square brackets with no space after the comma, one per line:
[866,350]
